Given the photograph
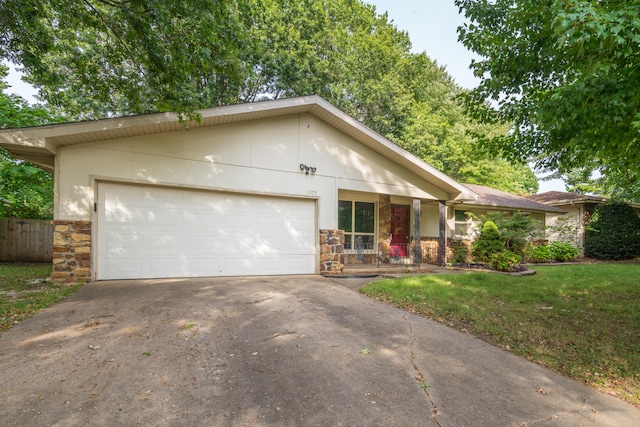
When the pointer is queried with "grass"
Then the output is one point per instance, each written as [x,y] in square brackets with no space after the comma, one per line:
[579,320]
[24,291]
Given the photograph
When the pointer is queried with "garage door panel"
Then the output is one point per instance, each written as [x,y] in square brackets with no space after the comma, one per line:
[166,266]
[162,243]
[204,266]
[152,232]
[126,267]
[118,243]
[195,244]
[120,214]
[200,219]
[161,217]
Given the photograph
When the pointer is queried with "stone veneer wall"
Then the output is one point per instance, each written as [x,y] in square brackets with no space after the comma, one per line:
[429,246]
[71,251]
[331,251]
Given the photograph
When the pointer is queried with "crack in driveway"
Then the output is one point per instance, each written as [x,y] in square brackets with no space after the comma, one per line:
[419,374]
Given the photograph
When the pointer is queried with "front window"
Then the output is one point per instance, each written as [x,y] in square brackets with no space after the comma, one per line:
[357,219]
[460,223]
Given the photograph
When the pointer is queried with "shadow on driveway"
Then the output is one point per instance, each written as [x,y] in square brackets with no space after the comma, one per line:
[286,351]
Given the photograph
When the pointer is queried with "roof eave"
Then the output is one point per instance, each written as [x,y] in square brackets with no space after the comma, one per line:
[516,208]
[45,140]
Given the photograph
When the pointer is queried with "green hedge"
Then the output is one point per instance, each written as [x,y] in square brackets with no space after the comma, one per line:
[613,232]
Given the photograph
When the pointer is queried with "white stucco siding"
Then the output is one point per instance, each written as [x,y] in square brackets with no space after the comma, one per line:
[429,220]
[261,157]
[357,167]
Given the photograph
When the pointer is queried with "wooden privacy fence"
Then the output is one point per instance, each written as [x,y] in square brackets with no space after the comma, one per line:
[25,240]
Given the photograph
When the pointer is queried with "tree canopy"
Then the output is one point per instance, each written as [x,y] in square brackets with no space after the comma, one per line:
[96,58]
[26,191]
[566,74]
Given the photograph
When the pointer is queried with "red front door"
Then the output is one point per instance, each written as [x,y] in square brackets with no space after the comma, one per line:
[399,230]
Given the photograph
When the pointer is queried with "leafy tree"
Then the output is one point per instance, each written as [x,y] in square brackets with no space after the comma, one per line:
[613,232]
[438,130]
[26,190]
[565,74]
[97,58]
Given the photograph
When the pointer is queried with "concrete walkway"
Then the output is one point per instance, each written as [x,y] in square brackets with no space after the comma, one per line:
[270,351]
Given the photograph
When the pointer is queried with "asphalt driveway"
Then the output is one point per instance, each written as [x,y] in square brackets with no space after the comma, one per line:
[285,351]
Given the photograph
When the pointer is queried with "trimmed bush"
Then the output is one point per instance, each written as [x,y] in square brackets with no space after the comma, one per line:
[516,229]
[505,261]
[613,232]
[538,253]
[562,251]
[460,252]
[488,243]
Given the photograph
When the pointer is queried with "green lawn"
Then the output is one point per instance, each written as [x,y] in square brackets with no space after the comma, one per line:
[580,320]
[24,291]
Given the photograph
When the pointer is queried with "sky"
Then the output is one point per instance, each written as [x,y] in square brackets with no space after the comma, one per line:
[432,27]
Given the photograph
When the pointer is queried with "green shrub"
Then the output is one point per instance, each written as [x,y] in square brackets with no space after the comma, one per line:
[460,252]
[488,243]
[505,261]
[613,232]
[538,253]
[562,251]
[516,228]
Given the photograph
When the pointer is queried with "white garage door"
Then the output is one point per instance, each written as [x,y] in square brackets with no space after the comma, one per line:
[152,232]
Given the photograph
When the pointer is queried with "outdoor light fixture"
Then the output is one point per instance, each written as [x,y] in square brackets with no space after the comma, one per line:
[307,169]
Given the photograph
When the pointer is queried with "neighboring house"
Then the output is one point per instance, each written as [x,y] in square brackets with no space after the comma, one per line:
[290,186]
[489,199]
[578,208]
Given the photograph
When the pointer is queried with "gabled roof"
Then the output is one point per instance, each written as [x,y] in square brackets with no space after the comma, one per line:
[553,198]
[490,197]
[39,145]
[558,198]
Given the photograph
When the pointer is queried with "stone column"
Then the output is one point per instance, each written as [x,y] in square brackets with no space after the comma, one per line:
[331,251]
[71,251]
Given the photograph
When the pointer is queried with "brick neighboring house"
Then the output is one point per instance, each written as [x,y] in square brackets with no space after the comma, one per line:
[578,207]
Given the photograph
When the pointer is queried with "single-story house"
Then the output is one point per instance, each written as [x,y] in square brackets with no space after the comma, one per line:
[289,186]
[578,209]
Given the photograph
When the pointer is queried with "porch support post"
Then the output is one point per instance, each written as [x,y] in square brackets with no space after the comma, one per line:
[442,234]
[384,242]
[417,245]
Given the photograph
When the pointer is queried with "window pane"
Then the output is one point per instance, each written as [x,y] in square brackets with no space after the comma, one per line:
[461,216]
[365,221]
[347,241]
[344,215]
[365,241]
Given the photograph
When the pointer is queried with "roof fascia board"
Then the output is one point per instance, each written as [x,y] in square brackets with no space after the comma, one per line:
[40,136]
[511,208]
